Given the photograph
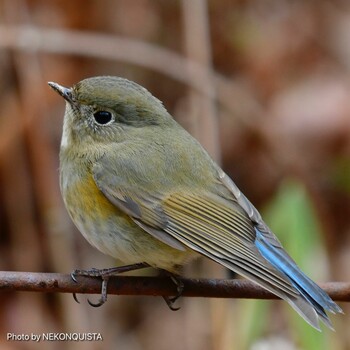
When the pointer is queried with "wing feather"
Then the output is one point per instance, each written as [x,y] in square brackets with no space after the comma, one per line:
[221,242]
[219,223]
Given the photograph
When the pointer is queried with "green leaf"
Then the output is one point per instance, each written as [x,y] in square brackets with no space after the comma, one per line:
[292,217]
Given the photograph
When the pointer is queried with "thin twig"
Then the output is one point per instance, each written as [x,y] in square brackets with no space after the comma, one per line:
[156,286]
[111,47]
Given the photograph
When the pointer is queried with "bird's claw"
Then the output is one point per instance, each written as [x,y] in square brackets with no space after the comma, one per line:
[103,297]
[105,274]
[170,301]
[76,298]
[72,275]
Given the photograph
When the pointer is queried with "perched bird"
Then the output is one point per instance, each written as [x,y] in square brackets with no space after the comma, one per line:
[141,189]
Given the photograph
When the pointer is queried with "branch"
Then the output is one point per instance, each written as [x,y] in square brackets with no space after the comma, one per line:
[156,286]
[112,47]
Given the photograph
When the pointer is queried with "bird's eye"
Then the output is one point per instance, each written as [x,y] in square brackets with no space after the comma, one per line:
[103,117]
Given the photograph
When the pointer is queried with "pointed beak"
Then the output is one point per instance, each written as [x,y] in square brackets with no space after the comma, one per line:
[66,93]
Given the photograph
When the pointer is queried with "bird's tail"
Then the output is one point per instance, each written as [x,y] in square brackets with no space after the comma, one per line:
[312,302]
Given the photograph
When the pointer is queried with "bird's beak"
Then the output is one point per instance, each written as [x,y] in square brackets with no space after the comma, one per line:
[66,93]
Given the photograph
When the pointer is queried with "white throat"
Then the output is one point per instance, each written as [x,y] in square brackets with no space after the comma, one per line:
[65,140]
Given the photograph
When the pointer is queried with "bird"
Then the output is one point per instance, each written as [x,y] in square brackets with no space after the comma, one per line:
[141,189]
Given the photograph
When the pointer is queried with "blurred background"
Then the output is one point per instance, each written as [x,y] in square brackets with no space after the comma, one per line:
[264,86]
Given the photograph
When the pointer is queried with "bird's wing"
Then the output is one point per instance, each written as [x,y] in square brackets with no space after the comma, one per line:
[228,231]
[206,223]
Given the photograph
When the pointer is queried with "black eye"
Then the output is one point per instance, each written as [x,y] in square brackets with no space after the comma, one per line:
[103,117]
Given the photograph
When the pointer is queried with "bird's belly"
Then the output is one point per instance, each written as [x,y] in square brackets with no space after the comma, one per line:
[114,233]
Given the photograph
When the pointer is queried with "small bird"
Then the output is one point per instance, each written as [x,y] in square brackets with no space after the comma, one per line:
[140,188]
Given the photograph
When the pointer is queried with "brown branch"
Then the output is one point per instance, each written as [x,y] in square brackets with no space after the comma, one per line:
[156,286]
[112,47]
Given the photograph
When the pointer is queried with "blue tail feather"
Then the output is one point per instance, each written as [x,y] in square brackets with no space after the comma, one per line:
[308,290]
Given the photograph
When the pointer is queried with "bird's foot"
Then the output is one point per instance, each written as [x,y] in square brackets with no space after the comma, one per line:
[170,301]
[105,274]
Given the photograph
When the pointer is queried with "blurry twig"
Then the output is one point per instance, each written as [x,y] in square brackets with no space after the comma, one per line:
[131,285]
[91,44]
[203,110]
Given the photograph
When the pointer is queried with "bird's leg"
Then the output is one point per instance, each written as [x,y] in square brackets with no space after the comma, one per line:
[105,274]
[170,301]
